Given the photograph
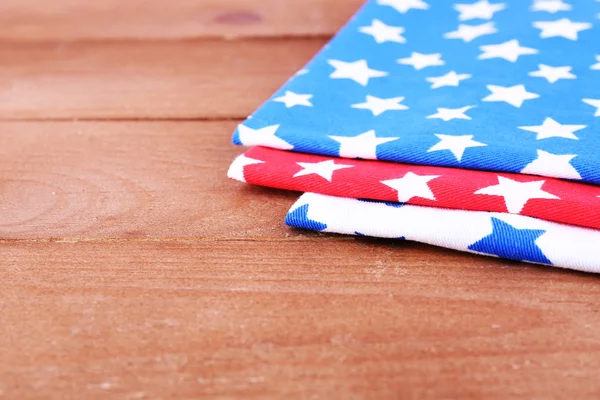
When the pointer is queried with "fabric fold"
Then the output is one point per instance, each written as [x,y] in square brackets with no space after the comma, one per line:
[513,237]
[546,198]
[503,86]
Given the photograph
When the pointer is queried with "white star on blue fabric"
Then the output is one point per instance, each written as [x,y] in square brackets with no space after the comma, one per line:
[478,10]
[457,144]
[449,79]
[551,6]
[513,95]
[384,33]
[468,33]
[553,74]
[550,128]
[402,6]
[291,99]
[262,137]
[594,103]
[563,27]
[378,106]
[361,146]
[510,51]
[358,71]
[420,60]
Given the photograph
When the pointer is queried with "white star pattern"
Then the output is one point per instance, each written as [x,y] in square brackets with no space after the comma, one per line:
[291,99]
[448,114]
[402,6]
[513,95]
[597,65]
[262,137]
[384,33]
[510,51]
[358,71]
[551,6]
[378,106]
[412,185]
[468,33]
[456,144]
[324,169]
[361,146]
[479,10]
[557,165]
[550,128]
[450,79]
[516,194]
[594,103]
[236,169]
[420,60]
[553,74]
[561,28]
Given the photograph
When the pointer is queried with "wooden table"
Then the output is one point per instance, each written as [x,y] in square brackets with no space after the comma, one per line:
[132,268]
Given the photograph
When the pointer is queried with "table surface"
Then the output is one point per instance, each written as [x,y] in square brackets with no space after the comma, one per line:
[132,268]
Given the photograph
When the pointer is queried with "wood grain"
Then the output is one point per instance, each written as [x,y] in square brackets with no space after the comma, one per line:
[147,80]
[130,180]
[69,20]
[132,268]
[346,319]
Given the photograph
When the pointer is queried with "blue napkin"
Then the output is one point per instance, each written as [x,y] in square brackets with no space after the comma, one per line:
[510,86]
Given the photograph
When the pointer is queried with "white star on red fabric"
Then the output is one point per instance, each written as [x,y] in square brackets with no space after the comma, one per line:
[291,99]
[550,128]
[412,185]
[324,169]
[236,169]
[556,165]
[456,144]
[516,194]
[468,33]
[553,74]
[479,10]
[551,6]
[358,71]
[378,106]
[420,60]
[594,103]
[561,28]
[361,146]
[513,95]
[448,114]
[510,51]
[384,33]
[402,6]
[262,137]
[450,79]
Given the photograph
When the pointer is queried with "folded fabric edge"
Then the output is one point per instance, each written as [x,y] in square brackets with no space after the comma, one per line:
[508,236]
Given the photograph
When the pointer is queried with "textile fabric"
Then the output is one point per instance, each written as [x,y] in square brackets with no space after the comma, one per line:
[510,236]
[510,86]
[546,198]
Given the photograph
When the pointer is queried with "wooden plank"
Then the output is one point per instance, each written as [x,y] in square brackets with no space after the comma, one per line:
[60,20]
[158,80]
[130,180]
[325,319]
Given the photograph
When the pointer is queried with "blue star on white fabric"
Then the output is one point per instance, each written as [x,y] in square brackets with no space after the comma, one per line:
[299,218]
[477,84]
[506,241]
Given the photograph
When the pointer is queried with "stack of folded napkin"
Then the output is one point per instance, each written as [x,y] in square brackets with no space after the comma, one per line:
[469,126]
